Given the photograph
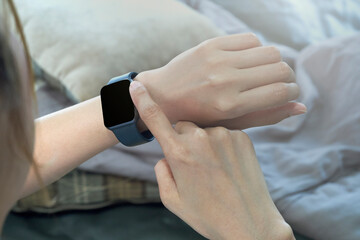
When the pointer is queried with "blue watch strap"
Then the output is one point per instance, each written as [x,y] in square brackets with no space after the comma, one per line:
[127,133]
[130,136]
[128,76]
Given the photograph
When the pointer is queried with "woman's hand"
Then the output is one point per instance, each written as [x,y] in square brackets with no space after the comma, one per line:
[230,80]
[211,178]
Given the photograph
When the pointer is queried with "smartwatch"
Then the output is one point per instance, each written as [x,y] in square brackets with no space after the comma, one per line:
[119,113]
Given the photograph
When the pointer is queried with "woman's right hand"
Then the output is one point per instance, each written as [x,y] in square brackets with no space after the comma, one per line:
[211,178]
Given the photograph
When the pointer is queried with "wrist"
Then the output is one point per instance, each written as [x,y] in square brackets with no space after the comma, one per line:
[277,229]
[152,80]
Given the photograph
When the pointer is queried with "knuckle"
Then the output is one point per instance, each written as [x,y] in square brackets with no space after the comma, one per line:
[171,144]
[206,51]
[204,47]
[209,43]
[281,90]
[223,106]
[243,137]
[213,80]
[179,125]
[285,71]
[252,38]
[180,153]
[274,52]
[150,111]
[200,134]
[200,50]
[165,196]
[222,134]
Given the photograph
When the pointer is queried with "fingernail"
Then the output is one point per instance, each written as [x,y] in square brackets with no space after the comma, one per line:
[300,108]
[135,85]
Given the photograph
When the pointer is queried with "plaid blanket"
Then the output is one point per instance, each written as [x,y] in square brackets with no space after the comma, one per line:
[80,190]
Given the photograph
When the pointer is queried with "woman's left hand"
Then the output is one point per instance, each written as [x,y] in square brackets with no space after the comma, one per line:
[229,81]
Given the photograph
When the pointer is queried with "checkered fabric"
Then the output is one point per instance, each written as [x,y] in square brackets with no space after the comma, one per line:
[80,190]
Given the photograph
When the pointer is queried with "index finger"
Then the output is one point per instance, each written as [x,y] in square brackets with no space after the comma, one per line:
[236,42]
[151,114]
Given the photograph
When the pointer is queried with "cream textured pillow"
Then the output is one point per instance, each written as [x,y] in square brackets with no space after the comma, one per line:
[297,23]
[81,44]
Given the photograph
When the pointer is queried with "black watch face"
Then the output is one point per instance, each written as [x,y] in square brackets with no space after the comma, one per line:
[117,105]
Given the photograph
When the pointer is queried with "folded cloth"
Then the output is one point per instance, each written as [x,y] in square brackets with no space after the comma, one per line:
[80,190]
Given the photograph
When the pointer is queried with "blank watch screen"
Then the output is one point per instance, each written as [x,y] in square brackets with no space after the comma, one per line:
[117,105]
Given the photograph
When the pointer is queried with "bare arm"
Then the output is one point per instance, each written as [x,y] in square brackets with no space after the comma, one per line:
[67,138]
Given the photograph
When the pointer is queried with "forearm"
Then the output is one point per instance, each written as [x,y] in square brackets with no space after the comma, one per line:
[67,138]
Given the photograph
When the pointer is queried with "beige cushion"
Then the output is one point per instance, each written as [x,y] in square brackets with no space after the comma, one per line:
[81,44]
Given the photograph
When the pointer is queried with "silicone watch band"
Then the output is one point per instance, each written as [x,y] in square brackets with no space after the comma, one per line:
[127,133]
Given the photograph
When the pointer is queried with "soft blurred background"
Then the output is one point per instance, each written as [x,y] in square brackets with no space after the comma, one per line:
[77,46]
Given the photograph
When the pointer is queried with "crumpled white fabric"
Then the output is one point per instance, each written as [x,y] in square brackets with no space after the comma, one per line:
[312,162]
[296,23]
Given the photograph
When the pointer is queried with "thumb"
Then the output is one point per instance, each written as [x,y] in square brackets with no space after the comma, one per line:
[167,185]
